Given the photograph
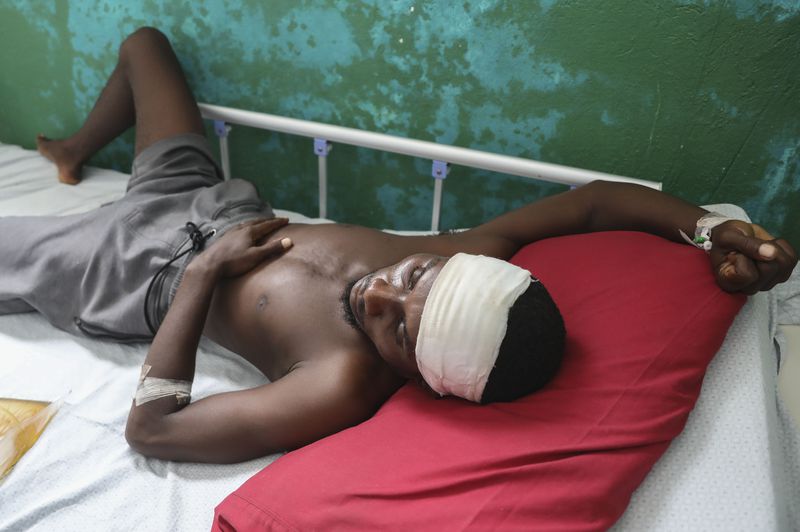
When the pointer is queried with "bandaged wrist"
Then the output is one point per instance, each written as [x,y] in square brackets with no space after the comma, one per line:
[702,232]
[152,388]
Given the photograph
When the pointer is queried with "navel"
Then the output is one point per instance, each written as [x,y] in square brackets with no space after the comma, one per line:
[262,303]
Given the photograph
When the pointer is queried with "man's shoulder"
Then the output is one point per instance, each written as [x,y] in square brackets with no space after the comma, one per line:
[354,375]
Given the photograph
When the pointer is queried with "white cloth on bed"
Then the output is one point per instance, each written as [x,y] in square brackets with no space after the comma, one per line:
[28,186]
[81,474]
[786,311]
[722,473]
[739,481]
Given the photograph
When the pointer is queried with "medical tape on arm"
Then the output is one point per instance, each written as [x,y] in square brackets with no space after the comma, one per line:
[702,232]
[151,388]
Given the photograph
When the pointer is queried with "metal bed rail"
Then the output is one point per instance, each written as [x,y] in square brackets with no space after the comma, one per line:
[442,155]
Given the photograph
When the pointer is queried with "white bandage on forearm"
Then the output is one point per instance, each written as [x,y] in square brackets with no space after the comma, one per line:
[151,388]
[464,321]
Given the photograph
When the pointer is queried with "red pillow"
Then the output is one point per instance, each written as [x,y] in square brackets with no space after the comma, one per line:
[643,317]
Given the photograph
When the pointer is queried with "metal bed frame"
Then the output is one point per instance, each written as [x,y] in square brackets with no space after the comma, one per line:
[442,155]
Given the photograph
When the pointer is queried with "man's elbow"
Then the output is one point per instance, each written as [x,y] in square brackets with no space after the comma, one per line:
[136,437]
[142,437]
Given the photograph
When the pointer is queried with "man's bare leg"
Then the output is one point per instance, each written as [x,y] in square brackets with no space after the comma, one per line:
[147,88]
[112,115]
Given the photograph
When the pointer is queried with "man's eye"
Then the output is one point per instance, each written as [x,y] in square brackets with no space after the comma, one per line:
[415,275]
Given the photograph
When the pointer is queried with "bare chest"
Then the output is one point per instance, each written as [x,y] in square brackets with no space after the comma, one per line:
[291,309]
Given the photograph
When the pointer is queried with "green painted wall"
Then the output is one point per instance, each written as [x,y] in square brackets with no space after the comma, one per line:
[703,95]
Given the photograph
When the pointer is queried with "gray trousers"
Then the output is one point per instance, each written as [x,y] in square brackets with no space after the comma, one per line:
[88,273]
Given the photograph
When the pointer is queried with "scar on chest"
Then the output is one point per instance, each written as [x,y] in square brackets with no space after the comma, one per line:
[262,302]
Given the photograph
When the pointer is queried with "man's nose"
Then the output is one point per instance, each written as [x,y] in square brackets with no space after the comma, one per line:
[380,297]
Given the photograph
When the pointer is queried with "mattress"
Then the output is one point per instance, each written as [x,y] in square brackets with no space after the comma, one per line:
[725,472]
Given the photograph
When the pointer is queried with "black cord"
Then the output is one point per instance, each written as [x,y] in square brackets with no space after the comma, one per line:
[198,242]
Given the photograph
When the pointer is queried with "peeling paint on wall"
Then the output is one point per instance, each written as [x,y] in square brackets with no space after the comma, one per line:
[703,95]
[758,9]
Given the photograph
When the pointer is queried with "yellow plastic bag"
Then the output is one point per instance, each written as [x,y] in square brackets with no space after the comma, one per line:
[21,424]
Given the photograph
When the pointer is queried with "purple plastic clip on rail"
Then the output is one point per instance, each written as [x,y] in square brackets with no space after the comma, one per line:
[322,147]
[221,128]
[440,169]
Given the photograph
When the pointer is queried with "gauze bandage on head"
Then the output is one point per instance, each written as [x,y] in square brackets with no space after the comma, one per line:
[464,322]
[151,388]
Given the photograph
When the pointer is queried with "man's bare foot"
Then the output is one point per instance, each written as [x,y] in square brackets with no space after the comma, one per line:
[69,167]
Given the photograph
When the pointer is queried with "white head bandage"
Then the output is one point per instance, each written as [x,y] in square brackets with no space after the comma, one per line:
[464,322]
[152,388]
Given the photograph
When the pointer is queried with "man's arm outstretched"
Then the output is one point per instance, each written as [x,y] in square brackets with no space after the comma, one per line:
[740,259]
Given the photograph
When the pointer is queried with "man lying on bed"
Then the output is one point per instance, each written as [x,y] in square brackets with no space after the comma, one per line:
[337,317]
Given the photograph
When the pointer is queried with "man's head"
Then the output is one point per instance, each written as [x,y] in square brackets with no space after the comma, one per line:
[471,326]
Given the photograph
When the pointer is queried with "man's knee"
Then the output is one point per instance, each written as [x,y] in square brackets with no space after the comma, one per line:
[145,38]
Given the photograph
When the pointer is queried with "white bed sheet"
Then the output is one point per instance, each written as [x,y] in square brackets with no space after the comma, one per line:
[725,472]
